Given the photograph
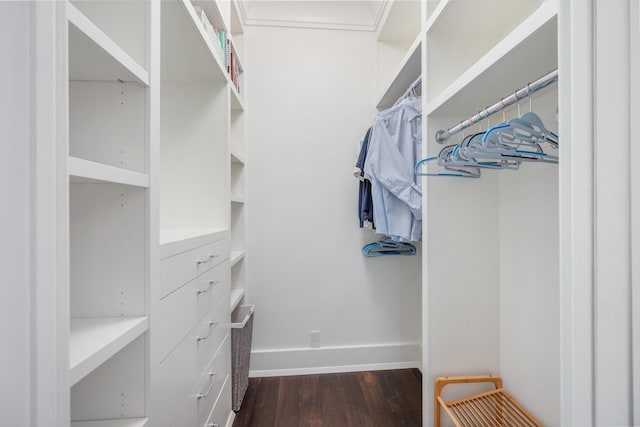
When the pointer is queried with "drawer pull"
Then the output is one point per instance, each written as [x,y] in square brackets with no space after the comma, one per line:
[212,378]
[211,328]
[209,258]
[212,283]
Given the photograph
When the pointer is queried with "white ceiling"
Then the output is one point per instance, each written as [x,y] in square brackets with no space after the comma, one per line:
[355,15]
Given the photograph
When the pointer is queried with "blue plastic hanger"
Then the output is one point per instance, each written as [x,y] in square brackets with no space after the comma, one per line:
[388,247]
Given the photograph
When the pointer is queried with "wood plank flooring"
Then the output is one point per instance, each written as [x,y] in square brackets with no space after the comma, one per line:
[355,399]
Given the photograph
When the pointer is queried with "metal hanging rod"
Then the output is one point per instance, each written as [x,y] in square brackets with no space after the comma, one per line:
[414,85]
[542,82]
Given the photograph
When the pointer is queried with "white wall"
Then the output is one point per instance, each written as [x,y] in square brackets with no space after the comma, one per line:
[311,98]
[529,277]
[15,165]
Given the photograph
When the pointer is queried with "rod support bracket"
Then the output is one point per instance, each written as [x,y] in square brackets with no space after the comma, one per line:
[441,136]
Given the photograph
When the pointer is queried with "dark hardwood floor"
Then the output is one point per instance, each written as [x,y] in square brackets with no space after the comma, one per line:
[367,399]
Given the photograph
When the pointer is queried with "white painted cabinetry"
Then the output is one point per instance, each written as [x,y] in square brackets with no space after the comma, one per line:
[108,146]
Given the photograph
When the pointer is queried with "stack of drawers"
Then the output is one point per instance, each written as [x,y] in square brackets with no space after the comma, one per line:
[191,327]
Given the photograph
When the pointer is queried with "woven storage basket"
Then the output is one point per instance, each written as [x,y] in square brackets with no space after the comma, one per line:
[241,330]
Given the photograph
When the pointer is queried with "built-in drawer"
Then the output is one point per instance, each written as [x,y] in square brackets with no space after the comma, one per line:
[176,378]
[222,408]
[177,270]
[211,331]
[180,311]
[212,380]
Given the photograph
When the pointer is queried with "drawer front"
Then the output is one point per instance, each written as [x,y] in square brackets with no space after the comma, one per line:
[222,409]
[211,331]
[212,380]
[179,269]
[177,375]
[180,311]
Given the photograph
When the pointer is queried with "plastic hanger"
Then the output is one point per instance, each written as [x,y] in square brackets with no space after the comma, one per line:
[459,172]
[388,247]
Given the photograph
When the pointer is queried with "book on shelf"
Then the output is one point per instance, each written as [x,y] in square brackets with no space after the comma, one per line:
[210,31]
[222,43]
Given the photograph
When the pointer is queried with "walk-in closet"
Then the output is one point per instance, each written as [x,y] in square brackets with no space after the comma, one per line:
[380,213]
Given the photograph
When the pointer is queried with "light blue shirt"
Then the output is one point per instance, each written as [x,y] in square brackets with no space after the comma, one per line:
[394,149]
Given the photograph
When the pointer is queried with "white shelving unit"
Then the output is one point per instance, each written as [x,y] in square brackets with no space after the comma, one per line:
[108,187]
[474,58]
[198,103]
[237,150]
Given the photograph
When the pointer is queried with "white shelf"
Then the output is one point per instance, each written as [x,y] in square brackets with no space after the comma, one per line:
[237,102]
[85,171]
[236,296]
[437,14]
[213,12]
[188,52]
[124,422]
[471,17]
[401,21]
[237,158]
[524,55]
[408,71]
[237,199]
[236,256]
[94,340]
[94,56]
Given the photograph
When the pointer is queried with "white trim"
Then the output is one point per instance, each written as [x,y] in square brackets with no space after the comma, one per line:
[304,361]
[327,25]
[265,22]
[634,110]
[334,369]
[575,56]
[230,419]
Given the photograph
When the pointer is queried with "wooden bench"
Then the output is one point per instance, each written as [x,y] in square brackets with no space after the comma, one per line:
[492,408]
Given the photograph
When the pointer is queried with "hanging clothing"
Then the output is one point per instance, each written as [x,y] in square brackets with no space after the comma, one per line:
[365,203]
[394,148]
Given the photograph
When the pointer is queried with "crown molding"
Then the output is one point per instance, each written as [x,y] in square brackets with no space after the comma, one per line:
[249,17]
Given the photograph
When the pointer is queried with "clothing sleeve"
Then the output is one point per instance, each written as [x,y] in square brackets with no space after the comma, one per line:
[385,163]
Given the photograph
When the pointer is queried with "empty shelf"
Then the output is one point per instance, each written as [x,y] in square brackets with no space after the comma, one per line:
[408,71]
[236,256]
[236,296]
[85,171]
[94,340]
[237,157]
[94,56]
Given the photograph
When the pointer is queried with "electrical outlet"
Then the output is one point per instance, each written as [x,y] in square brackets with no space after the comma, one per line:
[314,339]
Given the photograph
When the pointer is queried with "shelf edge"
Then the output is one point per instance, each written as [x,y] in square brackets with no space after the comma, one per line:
[90,171]
[236,296]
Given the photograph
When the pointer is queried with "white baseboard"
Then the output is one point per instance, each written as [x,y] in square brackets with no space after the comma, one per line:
[232,416]
[323,360]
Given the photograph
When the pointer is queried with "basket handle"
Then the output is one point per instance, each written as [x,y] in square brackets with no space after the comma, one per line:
[244,320]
